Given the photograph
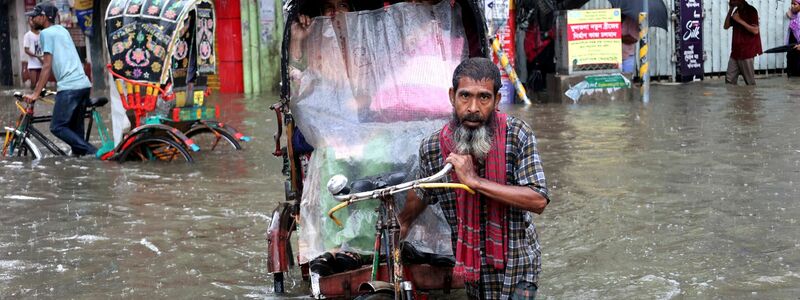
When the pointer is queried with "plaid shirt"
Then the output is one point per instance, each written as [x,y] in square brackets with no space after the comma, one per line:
[524,168]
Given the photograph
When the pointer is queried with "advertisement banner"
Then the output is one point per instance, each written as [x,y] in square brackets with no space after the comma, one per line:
[594,39]
[85,20]
[689,40]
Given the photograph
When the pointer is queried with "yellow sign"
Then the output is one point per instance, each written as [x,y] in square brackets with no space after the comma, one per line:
[82,4]
[594,39]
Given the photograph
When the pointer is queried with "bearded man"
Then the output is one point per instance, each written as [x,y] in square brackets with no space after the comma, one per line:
[494,239]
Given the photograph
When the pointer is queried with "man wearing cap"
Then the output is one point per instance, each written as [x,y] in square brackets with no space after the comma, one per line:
[61,59]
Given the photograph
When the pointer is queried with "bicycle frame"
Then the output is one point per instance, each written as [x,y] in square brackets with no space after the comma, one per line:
[387,226]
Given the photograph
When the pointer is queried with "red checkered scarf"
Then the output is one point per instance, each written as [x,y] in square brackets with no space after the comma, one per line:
[468,250]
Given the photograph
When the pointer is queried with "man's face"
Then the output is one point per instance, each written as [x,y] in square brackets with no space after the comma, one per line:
[333,7]
[474,101]
[474,104]
[38,22]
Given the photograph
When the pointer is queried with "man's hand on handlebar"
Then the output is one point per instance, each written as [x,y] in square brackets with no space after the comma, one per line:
[30,98]
[464,168]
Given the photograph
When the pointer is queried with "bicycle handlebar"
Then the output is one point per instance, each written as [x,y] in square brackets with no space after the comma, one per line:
[337,181]
[337,184]
[45,93]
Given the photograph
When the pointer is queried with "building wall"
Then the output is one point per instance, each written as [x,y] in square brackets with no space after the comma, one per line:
[19,26]
[716,40]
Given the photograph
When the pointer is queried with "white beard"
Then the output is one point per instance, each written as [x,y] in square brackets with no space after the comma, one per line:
[476,142]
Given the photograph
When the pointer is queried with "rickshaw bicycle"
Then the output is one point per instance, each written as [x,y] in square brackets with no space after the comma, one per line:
[432,44]
[19,140]
[395,283]
[162,53]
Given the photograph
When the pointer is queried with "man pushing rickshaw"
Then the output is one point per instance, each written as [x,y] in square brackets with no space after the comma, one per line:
[365,85]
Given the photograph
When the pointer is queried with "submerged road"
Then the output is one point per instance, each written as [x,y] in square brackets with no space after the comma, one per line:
[693,195]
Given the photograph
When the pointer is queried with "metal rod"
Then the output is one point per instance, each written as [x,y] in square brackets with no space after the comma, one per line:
[644,40]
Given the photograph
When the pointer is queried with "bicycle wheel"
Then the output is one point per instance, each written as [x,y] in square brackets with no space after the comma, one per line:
[15,146]
[218,140]
[155,148]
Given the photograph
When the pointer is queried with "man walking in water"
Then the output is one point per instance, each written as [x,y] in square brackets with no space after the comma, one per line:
[493,236]
[61,58]
[746,41]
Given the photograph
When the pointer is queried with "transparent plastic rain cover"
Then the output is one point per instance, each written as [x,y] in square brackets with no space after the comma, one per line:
[375,85]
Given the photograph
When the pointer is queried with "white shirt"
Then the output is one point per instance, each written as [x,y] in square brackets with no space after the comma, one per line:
[31,41]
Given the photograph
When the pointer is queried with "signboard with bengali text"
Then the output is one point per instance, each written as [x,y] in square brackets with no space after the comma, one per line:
[689,40]
[594,39]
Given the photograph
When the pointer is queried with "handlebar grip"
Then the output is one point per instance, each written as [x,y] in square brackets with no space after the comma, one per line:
[44,93]
[335,209]
[447,185]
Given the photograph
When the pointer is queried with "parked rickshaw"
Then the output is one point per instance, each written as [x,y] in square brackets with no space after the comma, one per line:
[162,52]
[370,84]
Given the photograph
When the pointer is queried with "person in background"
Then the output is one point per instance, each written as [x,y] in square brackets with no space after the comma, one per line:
[297,60]
[630,36]
[746,45]
[539,52]
[793,37]
[61,58]
[300,31]
[34,51]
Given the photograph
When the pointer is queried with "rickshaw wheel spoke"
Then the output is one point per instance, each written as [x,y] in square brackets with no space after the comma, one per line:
[156,148]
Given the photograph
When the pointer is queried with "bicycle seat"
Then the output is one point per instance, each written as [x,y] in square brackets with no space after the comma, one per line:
[98,102]
[378,182]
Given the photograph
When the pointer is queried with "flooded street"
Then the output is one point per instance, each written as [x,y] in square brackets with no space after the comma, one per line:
[693,195]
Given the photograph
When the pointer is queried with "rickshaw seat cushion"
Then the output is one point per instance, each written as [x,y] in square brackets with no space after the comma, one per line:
[346,261]
[378,182]
[323,264]
[412,255]
[98,102]
[395,178]
[362,186]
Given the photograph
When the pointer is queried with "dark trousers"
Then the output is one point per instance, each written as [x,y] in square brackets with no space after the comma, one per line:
[792,59]
[68,118]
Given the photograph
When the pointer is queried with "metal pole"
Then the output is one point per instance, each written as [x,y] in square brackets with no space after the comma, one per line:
[246,63]
[644,40]
[255,47]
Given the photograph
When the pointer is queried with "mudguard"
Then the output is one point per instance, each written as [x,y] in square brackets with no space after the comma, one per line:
[215,125]
[376,286]
[278,234]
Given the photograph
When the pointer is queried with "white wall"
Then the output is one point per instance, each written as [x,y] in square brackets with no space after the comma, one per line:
[18,27]
[716,40]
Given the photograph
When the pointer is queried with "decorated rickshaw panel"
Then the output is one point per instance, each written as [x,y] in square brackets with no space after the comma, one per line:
[206,60]
[141,33]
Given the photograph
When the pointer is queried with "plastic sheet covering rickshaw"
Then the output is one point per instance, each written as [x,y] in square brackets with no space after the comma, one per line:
[372,84]
[161,53]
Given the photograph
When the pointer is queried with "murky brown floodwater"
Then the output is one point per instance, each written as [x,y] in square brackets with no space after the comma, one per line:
[690,196]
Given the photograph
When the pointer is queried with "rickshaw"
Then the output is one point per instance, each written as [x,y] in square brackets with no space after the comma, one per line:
[162,52]
[371,84]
